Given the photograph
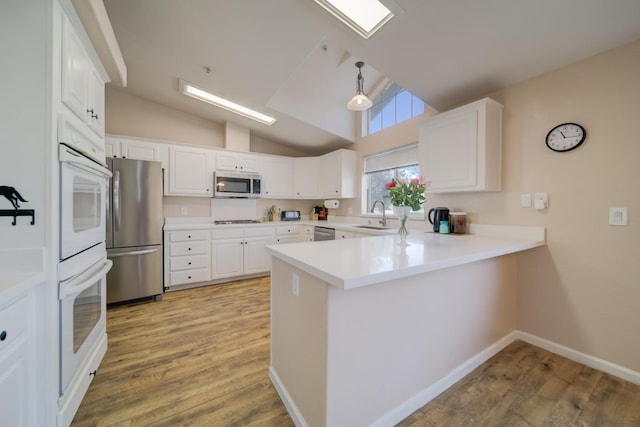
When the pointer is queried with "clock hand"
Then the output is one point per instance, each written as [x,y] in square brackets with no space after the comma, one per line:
[562,134]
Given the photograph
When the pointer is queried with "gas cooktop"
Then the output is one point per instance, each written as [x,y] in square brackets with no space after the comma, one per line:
[236,221]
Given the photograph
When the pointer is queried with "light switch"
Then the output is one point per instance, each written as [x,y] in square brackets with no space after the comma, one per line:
[617,216]
[525,200]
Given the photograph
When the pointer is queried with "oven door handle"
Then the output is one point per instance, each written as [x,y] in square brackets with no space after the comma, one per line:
[68,155]
[83,281]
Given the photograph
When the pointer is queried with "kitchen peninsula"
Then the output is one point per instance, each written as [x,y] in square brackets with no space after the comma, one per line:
[366,331]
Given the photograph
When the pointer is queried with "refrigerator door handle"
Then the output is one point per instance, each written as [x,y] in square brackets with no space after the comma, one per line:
[140,252]
[116,201]
[107,204]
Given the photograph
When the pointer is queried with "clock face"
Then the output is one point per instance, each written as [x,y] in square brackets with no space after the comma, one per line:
[565,137]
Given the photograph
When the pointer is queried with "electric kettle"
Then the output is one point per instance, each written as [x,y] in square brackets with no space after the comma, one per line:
[439,214]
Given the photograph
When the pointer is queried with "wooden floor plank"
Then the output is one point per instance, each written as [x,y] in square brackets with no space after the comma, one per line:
[200,357]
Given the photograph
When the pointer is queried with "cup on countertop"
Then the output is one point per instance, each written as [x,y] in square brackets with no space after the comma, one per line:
[458,222]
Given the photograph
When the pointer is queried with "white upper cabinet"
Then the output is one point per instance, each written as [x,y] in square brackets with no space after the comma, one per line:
[82,85]
[306,178]
[460,150]
[190,171]
[338,174]
[135,149]
[277,177]
[237,162]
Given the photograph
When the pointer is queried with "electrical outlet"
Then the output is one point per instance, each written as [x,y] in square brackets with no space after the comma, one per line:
[184,211]
[525,200]
[617,216]
[295,288]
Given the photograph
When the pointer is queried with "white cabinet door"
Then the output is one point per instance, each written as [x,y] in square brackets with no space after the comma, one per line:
[338,170]
[306,178]
[75,71]
[111,147]
[460,150]
[18,368]
[237,162]
[256,258]
[227,256]
[277,177]
[141,150]
[190,171]
[95,102]
[82,85]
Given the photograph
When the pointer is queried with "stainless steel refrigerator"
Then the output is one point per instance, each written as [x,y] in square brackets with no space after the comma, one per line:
[134,230]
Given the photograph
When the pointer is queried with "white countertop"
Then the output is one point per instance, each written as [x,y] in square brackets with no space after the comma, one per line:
[352,263]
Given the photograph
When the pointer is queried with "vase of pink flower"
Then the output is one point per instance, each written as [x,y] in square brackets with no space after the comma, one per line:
[406,195]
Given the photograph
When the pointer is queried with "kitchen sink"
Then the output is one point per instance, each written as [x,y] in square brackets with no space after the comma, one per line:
[373,227]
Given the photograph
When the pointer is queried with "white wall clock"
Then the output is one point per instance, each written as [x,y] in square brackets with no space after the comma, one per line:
[566,137]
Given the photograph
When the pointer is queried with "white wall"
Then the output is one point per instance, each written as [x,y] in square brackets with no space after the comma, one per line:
[582,291]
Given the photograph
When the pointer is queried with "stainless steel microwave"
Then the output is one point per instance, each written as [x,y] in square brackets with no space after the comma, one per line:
[236,185]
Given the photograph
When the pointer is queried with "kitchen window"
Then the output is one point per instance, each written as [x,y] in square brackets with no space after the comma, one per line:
[393,106]
[380,168]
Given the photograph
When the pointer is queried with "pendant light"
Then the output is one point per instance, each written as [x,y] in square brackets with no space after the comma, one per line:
[360,101]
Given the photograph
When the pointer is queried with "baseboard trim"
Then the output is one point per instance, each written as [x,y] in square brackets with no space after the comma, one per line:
[423,397]
[292,409]
[577,356]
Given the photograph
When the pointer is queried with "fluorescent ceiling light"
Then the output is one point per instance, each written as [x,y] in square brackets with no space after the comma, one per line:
[193,91]
[365,17]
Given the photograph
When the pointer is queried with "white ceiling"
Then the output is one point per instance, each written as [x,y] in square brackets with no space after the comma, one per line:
[293,60]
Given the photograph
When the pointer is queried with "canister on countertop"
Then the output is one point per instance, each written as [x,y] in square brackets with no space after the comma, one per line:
[458,222]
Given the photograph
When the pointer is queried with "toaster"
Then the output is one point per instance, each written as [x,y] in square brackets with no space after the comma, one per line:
[290,216]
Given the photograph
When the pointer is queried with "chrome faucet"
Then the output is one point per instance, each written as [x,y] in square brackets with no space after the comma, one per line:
[383,221]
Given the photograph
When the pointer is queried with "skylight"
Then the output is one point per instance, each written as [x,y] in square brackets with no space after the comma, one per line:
[365,17]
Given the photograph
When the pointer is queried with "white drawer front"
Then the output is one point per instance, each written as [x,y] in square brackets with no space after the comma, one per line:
[190,276]
[13,322]
[186,236]
[189,248]
[289,229]
[227,233]
[263,231]
[189,262]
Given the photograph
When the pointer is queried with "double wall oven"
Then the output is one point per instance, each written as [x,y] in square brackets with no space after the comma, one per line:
[82,272]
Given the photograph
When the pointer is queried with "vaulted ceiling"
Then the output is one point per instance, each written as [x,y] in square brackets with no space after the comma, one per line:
[293,60]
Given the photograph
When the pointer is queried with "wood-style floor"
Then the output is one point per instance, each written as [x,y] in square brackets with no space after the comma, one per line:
[200,358]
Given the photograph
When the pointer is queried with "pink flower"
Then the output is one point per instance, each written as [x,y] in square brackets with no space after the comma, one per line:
[390,185]
[415,181]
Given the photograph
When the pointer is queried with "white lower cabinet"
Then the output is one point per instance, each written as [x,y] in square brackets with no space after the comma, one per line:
[19,369]
[240,251]
[187,258]
[291,233]
[340,234]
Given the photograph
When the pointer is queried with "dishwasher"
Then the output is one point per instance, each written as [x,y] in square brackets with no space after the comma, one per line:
[323,233]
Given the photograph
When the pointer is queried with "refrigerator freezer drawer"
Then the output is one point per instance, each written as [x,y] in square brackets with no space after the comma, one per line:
[189,262]
[136,273]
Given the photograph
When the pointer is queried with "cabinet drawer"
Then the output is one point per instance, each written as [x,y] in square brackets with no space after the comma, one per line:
[13,322]
[190,276]
[227,233]
[189,262]
[186,236]
[264,231]
[189,248]
[289,229]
